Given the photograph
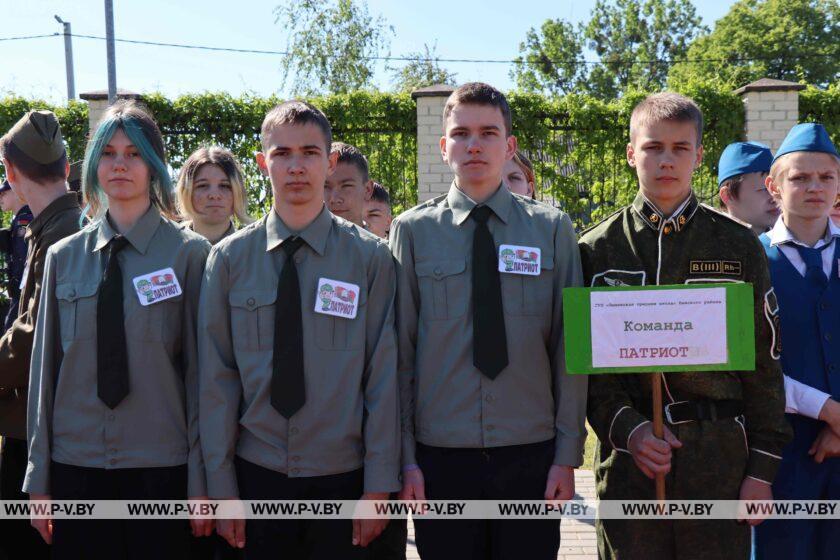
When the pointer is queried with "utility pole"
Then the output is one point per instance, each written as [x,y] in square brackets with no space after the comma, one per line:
[112,58]
[68,58]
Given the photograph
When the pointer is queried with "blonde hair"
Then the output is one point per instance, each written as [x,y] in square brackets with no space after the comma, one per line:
[226,161]
[667,106]
[522,161]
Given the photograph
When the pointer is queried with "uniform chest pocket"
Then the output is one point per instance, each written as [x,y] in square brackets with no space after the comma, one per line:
[252,319]
[339,333]
[77,310]
[159,321]
[529,295]
[443,289]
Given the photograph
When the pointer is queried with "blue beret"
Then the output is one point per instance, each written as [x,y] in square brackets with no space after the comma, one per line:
[806,137]
[743,157]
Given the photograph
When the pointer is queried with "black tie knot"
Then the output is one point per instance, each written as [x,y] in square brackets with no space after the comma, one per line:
[117,244]
[481,214]
[291,244]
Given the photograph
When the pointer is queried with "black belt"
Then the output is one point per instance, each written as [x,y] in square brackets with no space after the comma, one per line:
[680,412]
[693,411]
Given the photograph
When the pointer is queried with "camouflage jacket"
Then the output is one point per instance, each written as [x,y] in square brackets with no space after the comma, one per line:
[638,245]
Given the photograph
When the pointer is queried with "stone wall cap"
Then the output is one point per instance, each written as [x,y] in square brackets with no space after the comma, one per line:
[437,90]
[769,84]
[100,94]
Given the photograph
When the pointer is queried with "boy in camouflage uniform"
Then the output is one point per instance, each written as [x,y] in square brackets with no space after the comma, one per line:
[724,431]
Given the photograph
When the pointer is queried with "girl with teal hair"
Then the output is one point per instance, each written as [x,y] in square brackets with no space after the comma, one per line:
[114,381]
[142,130]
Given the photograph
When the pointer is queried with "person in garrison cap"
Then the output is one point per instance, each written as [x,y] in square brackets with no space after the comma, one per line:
[804,254]
[13,247]
[742,168]
[36,167]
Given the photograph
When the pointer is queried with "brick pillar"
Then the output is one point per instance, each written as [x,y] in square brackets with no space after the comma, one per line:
[771,109]
[433,175]
[98,102]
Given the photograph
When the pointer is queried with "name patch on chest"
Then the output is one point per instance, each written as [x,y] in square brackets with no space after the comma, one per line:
[156,286]
[517,259]
[339,299]
[715,267]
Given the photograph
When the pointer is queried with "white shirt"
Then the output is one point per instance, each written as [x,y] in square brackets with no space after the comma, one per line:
[800,398]
[781,237]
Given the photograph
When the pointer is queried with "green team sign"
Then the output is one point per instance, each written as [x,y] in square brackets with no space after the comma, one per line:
[634,329]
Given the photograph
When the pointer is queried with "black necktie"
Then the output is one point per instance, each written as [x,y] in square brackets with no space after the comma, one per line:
[814,273]
[111,350]
[490,355]
[287,386]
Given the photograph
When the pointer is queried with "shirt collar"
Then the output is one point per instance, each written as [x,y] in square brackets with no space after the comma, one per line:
[139,236]
[315,234]
[655,219]
[67,201]
[462,205]
[780,234]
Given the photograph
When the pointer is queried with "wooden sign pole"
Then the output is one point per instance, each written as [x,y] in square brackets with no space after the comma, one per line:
[658,428]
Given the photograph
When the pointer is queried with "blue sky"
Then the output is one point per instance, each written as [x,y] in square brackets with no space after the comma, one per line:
[489,29]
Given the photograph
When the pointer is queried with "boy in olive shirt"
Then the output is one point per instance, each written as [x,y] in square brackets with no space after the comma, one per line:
[488,411]
[298,389]
[725,430]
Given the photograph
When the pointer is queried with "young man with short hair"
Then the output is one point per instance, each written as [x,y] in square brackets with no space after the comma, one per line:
[725,430]
[741,171]
[488,410]
[378,211]
[349,187]
[298,389]
[36,167]
[804,255]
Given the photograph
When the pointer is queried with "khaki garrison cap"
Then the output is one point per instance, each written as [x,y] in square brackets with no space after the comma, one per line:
[38,135]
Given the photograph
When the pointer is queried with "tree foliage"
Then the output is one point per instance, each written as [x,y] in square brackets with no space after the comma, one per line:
[635,42]
[424,70]
[795,40]
[332,45]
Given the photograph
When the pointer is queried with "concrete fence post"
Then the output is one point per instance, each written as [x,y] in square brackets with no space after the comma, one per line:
[771,109]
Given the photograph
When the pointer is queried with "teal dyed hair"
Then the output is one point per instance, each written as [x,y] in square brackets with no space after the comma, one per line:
[144,133]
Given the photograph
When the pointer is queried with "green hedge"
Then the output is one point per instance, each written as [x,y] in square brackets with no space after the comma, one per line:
[578,146]
[577,142]
[822,106]
[382,125]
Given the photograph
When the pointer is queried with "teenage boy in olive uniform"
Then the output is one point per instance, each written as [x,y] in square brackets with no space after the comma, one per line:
[36,167]
[488,411]
[724,430]
[298,388]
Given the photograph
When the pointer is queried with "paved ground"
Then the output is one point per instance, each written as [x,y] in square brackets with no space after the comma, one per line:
[577,538]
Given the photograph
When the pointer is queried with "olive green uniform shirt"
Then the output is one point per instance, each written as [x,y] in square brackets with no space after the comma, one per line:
[58,220]
[156,424]
[444,400]
[638,246]
[350,418]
